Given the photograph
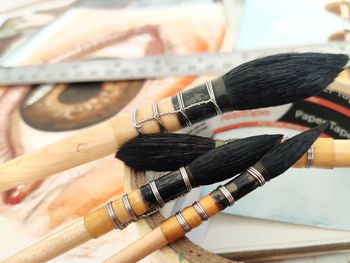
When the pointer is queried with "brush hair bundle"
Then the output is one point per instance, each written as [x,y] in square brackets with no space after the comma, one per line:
[163,151]
[283,156]
[282,78]
[232,158]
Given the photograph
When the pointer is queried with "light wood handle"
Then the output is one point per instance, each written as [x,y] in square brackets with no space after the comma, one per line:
[85,146]
[140,248]
[99,223]
[328,153]
[53,245]
[93,225]
[173,230]
[169,231]
[341,153]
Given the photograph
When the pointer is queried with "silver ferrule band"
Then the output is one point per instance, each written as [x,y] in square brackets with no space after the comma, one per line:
[211,94]
[257,175]
[152,212]
[156,193]
[156,116]
[227,194]
[200,210]
[182,108]
[182,222]
[309,157]
[134,121]
[117,224]
[185,178]
[128,207]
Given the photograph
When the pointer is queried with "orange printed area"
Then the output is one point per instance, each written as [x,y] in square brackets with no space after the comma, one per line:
[244,114]
[330,105]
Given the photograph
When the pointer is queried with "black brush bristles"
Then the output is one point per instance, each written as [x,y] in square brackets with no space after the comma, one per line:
[163,151]
[282,78]
[283,156]
[232,158]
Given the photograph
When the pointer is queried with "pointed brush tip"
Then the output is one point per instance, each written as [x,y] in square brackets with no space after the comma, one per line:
[323,126]
[281,157]
[317,130]
[276,138]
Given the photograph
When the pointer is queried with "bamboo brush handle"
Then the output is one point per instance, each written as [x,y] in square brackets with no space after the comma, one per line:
[169,231]
[327,153]
[93,225]
[85,146]
[98,222]
[116,214]
[140,248]
[53,245]
[341,153]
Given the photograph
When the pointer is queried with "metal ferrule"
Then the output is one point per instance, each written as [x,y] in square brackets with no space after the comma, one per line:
[156,193]
[200,210]
[309,157]
[193,106]
[128,207]
[134,122]
[152,212]
[182,222]
[117,224]
[212,99]
[156,116]
[182,108]
[257,175]
[185,178]
[227,194]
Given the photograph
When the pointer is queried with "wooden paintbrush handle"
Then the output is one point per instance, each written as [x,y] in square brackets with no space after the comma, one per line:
[327,153]
[175,227]
[173,230]
[99,222]
[85,146]
[53,245]
[169,231]
[341,153]
[140,248]
[116,214]
[130,207]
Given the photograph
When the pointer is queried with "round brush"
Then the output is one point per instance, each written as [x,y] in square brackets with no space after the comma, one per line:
[264,82]
[272,164]
[169,151]
[215,165]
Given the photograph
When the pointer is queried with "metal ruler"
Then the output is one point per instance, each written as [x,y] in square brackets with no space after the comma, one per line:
[148,67]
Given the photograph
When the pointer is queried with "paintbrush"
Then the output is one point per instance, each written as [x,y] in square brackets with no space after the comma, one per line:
[272,164]
[265,82]
[215,165]
[169,151]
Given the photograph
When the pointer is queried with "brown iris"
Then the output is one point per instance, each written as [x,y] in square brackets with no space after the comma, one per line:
[72,106]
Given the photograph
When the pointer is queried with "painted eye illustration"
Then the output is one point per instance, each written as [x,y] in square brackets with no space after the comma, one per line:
[66,107]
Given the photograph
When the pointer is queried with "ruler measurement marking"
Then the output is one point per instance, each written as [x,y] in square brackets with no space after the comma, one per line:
[148,67]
